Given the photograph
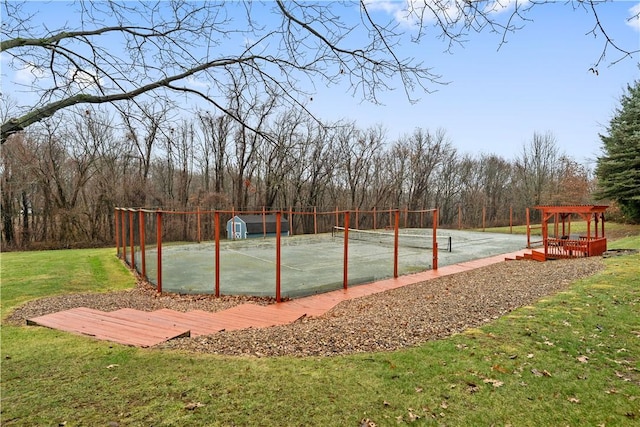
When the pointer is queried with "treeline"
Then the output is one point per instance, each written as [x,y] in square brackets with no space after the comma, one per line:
[62,180]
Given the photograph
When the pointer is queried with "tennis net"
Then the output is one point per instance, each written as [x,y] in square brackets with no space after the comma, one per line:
[384,238]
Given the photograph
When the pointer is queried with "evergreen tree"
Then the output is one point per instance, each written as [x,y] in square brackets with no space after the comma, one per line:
[618,169]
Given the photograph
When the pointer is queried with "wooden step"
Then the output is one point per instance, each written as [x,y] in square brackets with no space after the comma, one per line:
[102,325]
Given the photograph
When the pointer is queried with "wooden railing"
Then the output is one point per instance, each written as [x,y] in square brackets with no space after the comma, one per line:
[572,248]
[597,246]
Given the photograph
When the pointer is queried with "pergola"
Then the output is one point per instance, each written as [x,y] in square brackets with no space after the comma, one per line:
[561,243]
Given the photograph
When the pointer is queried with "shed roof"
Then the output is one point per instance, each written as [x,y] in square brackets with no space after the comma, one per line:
[257,219]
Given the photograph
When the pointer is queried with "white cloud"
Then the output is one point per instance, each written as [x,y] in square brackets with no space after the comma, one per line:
[29,74]
[196,83]
[500,6]
[411,12]
[634,20]
[83,79]
[400,10]
[387,6]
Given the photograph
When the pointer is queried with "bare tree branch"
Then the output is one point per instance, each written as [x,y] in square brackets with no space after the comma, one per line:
[122,51]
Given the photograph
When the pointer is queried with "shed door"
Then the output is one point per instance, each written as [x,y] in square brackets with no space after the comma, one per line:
[238,230]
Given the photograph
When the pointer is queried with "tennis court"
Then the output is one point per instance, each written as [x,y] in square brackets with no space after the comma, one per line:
[314,263]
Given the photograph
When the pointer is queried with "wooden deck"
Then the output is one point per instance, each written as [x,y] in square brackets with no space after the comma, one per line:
[143,329]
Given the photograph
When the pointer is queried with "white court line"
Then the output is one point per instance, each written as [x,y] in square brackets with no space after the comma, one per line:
[264,260]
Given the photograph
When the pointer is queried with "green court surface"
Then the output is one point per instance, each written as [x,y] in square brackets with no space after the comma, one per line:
[312,263]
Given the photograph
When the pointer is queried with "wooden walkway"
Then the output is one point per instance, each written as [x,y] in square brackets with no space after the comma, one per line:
[143,329]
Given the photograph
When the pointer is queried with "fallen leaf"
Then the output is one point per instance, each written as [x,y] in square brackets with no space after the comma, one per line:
[444,405]
[366,422]
[113,365]
[385,403]
[193,405]
[495,383]
[530,356]
[418,389]
[543,373]
[500,369]
[413,417]
[583,359]
[622,376]
[472,387]
[573,400]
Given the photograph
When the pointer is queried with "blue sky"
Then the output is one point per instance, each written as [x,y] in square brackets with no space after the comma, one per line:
[539,81]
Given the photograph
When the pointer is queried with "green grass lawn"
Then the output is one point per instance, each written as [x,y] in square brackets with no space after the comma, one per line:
[571,359]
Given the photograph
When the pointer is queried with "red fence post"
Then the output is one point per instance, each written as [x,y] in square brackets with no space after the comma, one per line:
[435,239]
[159,247]
[143,261]
[116,215]
[374,217]
[315,221]
[278,232]
[291,221]
[198,216]
[123,240]
[528,230]
[216,224]
[345,270]
[264,223]
[484,216]
[131,242]
[396,243]
[511,219]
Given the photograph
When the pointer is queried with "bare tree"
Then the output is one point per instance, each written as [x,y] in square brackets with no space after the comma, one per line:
[574,183]
[216,132]
[313,169]
[275,160]
[124,51]
[143,130]
[427,153]
[496,176]
[356,150]
[256,109]
[536,168]
[448,187]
